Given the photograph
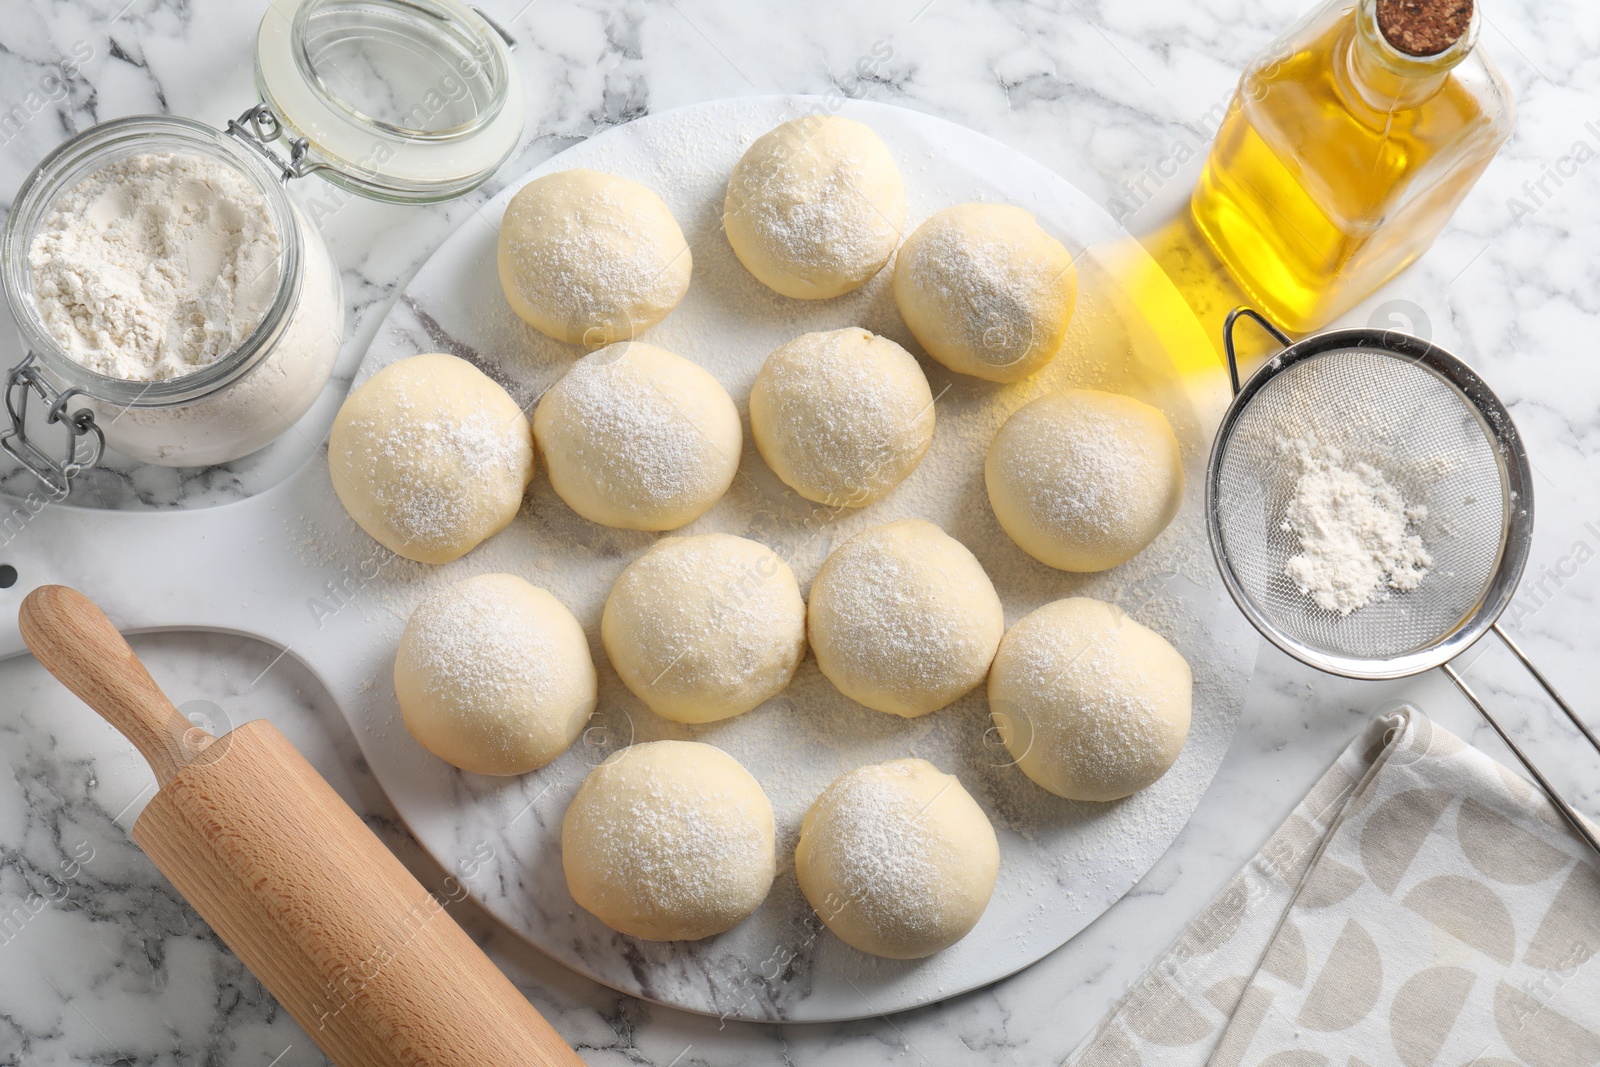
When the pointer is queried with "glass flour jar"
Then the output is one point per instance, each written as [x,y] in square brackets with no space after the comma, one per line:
[408,101]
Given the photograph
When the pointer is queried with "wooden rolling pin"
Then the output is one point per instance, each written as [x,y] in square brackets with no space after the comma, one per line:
[362,956]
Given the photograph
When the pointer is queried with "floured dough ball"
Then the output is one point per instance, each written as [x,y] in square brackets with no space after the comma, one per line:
[815,207]
[430,457]
[841,416]
[705,628]
[1091,705]
[637,437]
[590,258]
[494,675]
[897,859]
[669,841]
[986,291]
[903,619]
[1084,480]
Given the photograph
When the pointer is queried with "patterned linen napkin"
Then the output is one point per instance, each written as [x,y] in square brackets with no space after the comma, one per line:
[1423,906]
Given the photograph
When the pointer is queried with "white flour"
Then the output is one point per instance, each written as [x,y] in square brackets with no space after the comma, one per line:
[1355,532]
[155,266]
[159,265]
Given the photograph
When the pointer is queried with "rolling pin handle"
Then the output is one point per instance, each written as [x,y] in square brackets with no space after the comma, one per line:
[75,641]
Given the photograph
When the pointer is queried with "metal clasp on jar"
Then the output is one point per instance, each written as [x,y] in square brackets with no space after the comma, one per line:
[25,381]
[258,128]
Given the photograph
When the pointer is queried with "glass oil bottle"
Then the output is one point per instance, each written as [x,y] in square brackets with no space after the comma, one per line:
[1347,147]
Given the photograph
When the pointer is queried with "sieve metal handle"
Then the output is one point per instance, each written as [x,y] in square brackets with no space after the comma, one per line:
[1227,338]
[1567,811]
[1544,682]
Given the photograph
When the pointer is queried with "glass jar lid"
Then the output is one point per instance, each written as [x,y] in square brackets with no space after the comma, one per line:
[411,101]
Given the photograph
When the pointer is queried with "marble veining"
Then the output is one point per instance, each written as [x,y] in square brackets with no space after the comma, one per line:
[112,967]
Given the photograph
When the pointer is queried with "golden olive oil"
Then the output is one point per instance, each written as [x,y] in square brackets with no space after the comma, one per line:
[1340,160]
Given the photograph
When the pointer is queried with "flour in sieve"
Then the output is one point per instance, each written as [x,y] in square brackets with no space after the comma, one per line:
[1353,528]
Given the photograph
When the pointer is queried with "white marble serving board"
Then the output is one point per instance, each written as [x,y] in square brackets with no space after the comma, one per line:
[289,566]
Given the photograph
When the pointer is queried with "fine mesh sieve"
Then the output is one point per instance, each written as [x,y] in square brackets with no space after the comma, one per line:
[1441,437]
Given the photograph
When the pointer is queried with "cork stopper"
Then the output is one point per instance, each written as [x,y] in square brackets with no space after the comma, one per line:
[1424,27]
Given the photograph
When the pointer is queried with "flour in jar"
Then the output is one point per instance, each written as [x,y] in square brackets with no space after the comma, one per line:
[162,265]
[155,266]
[1356,534]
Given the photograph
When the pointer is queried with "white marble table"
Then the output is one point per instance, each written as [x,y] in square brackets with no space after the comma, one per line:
[101,961]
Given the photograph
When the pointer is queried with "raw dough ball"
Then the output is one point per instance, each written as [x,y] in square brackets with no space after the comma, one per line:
[669,841]
[903,619]
[590,258]
[1091,705]
[430,457]
[815,207]
[705,628]
[986,291]
[637,437]
[494,675]
[897,859]
[1084,480]
[842,416]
